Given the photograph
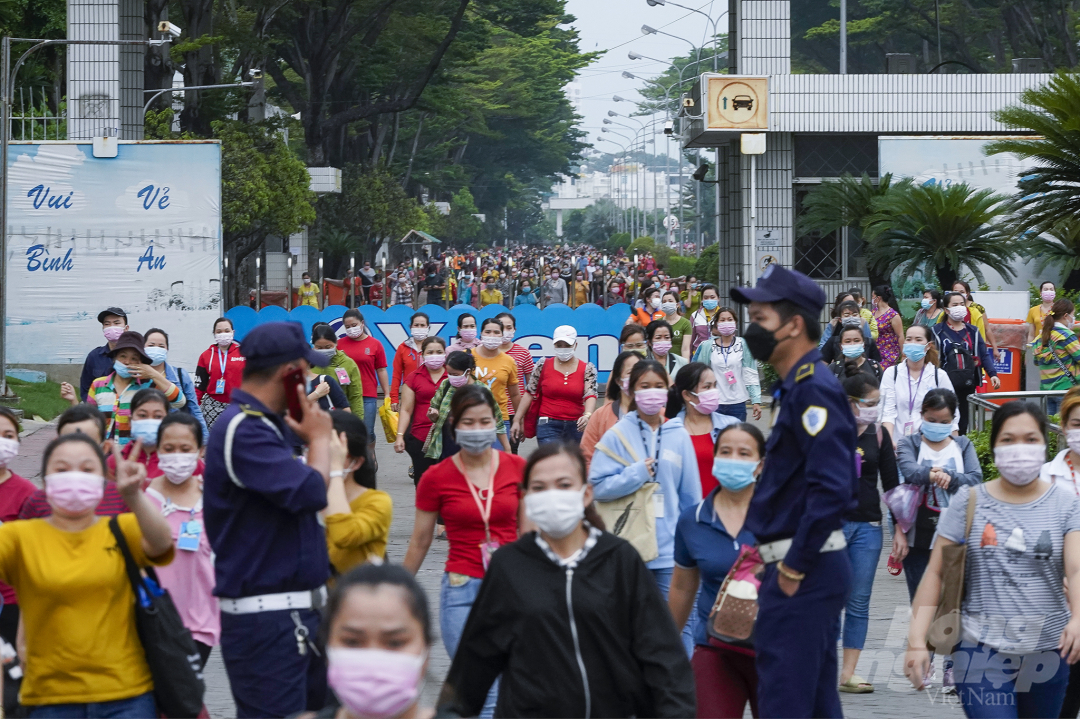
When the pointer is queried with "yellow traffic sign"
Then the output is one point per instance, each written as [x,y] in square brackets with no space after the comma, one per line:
[738,103]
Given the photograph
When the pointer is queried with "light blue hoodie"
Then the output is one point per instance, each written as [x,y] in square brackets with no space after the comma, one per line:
[618,469]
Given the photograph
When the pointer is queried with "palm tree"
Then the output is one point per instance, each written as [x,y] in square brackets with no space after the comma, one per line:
[337,245]
[945,229]
[847,202]
[1060,251]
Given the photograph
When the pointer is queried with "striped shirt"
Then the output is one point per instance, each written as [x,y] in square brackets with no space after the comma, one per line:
[1065,347]
[117,409]
[524,360]
[1014,567]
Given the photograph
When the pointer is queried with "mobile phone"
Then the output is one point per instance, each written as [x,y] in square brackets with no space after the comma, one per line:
[291,381]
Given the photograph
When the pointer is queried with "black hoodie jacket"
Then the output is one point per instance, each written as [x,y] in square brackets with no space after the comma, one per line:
[617,654]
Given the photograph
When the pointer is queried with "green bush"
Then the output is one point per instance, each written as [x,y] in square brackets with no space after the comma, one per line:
[1033,291]
[767,377]
[981,440]
[662,254]
[618,240]
[641,245]
[707,268]
[678,266]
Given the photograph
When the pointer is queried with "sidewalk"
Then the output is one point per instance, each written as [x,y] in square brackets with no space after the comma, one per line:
[34,438]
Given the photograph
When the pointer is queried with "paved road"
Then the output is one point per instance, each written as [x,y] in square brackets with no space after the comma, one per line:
[881,661]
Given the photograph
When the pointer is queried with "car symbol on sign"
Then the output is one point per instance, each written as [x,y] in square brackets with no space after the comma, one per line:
[742,101]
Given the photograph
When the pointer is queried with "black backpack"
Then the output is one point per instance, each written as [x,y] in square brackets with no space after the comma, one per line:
[959,363]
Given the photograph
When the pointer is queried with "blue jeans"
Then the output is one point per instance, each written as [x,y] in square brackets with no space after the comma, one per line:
[455,603]
[371,413]
[738,411]
[557,429]
[138,707]
[990,683]
[1053,405]
[864,550]
[663,581]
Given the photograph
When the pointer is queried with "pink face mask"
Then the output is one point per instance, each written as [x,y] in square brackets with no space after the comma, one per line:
[726,328]
[467,335]
[708,401]
[374,683]
[435,361]
[661,347]
[9,449]
[459,380]
[74,492]
[1048,295]
[112,333]
[650,401]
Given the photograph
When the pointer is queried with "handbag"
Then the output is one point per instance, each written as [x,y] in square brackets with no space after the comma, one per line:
[532,417]
[731,620]
[944,632]
[389,421]
[632,517]
[170,650]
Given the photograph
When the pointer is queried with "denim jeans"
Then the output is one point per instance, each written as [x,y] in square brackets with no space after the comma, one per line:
[137,707]
[864,550]
[557,429]
[1053,405]
[454,606]
[994,684]
[738,411]
[663,581]
[915,564]
[371,413]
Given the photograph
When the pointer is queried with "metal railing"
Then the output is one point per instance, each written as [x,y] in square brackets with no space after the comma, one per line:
[34,119]
[980,404]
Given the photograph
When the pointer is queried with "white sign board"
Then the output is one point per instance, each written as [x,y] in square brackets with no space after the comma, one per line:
[141,231]
[767,244]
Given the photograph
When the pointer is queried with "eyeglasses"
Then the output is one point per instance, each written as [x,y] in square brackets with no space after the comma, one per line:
[631,346]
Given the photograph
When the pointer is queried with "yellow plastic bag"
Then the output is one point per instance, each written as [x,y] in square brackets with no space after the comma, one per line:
[389,421]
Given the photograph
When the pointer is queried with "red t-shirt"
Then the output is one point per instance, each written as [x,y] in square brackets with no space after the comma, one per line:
[704,448]
[369,355]
[423,389]
[444,489]
[562,397]
[13,492]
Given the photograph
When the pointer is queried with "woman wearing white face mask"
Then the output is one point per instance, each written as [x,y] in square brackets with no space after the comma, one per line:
[477,494]
[78,607]
[565,388]
[618,403]
[178,493]
[416,395]
[964,354]
[875,459]
[1023,544]
[692,405]
[157,349]
[642,448]
[569,590]
[407,357]
[219,371]
[377,631]
[735,368]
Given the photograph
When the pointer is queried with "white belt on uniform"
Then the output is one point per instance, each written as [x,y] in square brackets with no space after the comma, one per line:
[775,551]
[312,599]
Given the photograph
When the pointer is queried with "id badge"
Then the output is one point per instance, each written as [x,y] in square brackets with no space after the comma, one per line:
[220,386]
[658,505]
[909,428]
[189,536]
[730,377]
[486,550]
[342,376]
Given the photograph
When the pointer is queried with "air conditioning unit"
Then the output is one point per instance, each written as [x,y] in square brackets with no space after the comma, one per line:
[899,63]
[1027,65]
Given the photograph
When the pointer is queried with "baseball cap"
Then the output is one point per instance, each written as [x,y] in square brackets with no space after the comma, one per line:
[112,311]
[131,340]
[778,284]
[275,343]
[564,333]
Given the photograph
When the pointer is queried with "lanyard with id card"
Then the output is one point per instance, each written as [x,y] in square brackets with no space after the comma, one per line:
[658,495]
[487,547]
[223,358]
[725,358]
[190,531]
[909,426]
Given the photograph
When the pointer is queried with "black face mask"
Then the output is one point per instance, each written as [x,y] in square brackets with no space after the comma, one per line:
[760,341]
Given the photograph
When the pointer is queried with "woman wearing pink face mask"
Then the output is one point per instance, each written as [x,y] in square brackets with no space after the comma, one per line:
[440,442]
[641,448]
[735,368]
[658,335]
[618,404]
[416,395]
[378,639]
[78,608]
[693,405]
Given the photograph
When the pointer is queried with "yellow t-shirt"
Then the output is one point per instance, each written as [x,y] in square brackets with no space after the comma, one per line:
[490,297]
[496,374]
[353,538]
[309,295]
[78,610]
[1035,317]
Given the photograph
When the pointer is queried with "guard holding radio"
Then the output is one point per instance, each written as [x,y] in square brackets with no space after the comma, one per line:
[260,508]
[807,484]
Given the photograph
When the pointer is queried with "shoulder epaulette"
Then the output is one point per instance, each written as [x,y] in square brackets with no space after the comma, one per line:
[804,371]
[246,409]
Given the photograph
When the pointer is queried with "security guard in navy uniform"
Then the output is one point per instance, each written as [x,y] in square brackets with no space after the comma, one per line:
[807,484]
[260,504]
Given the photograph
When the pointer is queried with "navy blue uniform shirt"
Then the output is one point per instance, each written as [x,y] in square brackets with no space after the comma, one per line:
[262,525]
[97,364]
[808,482]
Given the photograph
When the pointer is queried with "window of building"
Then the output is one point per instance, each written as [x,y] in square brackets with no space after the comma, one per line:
[836,155]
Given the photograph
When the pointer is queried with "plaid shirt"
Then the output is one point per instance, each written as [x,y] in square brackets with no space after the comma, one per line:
[441,402]
[117,410]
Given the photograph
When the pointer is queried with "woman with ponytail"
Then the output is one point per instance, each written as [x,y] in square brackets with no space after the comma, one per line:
[1057,352]
[692,404]
[890,326]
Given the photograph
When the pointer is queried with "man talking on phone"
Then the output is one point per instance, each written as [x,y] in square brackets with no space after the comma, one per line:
[260,503]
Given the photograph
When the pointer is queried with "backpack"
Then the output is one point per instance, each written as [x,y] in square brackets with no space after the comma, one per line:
[959,363]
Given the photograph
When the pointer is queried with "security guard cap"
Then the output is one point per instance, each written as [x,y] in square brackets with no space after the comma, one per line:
[275,343]
[778,284]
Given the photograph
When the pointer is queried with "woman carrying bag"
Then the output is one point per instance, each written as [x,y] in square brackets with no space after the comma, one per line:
[1057,353]
[1005,549]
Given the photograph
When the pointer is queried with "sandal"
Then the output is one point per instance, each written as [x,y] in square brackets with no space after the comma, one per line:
[857,685]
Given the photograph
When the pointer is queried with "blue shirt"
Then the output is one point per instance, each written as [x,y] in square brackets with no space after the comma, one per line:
[702,542]
[261,519]
[97,364]
[808,482]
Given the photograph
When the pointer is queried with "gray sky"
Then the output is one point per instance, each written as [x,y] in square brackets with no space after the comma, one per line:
[615,26]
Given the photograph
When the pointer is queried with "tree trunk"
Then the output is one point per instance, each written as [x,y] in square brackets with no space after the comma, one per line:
[199,65]
[1072,282]
[946,277]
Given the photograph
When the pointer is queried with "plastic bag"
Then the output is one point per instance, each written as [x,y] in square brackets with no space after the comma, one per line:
[389,421]
[903,501]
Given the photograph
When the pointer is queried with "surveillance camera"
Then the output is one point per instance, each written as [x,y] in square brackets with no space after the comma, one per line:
[669,128]
[699,174]
[255,73]
[168,28]
[688,102]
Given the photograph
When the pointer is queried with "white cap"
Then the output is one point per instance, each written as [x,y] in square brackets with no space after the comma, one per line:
[564,333]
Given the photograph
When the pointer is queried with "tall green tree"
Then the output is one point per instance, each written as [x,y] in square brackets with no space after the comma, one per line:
[944,229]
[1059,251]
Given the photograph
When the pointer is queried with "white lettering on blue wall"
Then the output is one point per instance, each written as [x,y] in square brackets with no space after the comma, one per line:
[43,196]
[153,262]
[151,195]
[35,260]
